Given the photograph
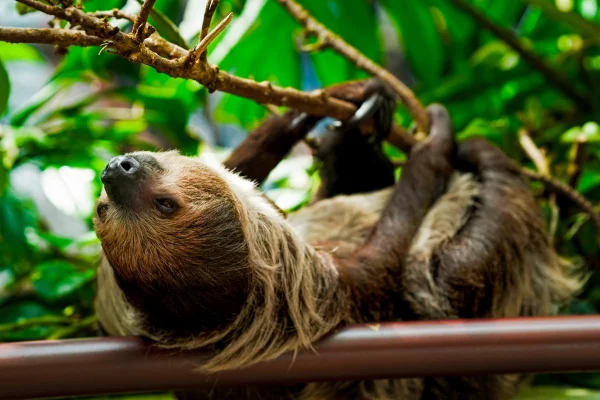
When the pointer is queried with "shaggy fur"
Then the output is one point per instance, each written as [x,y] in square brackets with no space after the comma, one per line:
[284,264]
[458,236]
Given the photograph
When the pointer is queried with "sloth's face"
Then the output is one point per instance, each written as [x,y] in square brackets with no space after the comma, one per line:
[170,228]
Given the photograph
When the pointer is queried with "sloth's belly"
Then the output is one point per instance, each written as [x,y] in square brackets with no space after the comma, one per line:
[341,223]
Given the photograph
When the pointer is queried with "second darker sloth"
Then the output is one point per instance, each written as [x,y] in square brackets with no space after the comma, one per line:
[196,257]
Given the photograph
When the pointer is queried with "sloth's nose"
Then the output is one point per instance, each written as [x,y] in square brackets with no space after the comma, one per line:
[123,179]
[120,167]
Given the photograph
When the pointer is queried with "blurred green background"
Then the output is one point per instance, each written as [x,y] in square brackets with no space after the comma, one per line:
[64,113]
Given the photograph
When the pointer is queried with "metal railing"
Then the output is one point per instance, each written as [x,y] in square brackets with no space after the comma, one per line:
[392,350]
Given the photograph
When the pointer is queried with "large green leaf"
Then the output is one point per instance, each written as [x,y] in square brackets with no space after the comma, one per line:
[96,5]
[34,104]
[22,311]
[570,18]
[420,38]
[19,52]
[55,280]
[4,88]
[590,179]
[15,217]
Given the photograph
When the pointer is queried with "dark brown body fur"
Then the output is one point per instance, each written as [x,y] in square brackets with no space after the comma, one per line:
[459,236]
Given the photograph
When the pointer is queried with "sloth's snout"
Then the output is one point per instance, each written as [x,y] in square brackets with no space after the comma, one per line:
[121,179]
[120,167]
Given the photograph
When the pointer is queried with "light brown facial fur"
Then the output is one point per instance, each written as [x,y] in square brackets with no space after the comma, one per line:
[185,270]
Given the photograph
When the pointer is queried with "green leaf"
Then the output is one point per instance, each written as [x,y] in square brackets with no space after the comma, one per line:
[7,281]
[55,280]
[590,179]
[19,52]
[98,5]
[4,88]
[233,109]
[166,27]
[460,26]
[23,311]
[14,219]
[421,40]
[342,20]
[496,132]
[590,132]
[557,393]
[43,96]
[569,18]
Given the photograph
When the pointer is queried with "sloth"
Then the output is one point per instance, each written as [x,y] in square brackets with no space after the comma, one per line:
[194,255]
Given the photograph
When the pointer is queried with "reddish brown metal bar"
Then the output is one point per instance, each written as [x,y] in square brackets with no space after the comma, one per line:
[112,365]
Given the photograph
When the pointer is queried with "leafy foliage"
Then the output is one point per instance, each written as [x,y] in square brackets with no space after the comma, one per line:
[55,140]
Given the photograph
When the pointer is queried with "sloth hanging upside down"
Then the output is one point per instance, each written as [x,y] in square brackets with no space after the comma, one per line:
[195,256]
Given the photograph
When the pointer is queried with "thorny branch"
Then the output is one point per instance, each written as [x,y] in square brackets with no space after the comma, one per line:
[168,58]
[144,46]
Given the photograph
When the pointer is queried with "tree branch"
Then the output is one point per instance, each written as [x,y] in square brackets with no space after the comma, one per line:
[66,37]
[316,102]
[328,38]
[168,58]
[535,61]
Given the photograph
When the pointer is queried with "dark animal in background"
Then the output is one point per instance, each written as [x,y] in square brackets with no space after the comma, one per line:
[195,256]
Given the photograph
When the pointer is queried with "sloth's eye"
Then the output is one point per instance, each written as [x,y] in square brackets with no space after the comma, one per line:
[101,210]
[165,205]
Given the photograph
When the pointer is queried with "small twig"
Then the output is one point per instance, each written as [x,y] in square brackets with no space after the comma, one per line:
[535,153]
[554,217]
[329,39]
[199,51]
[541,163]
[211,7]
[568,192]
[36,5]
[535,61]
[26,323]
[577,158]
[74,328]
[139,25]
[115,13]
